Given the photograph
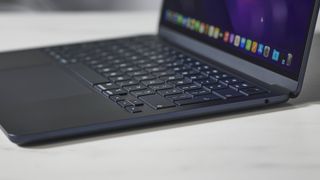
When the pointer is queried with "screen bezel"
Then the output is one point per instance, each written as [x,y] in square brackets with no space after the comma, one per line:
[223,57]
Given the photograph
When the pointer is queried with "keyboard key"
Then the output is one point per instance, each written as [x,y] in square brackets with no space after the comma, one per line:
[182,69]
[124,65]
[142,93]
[120,78]
[188,73]
[181,82]
[115,92]
[156,69]
[253,91]
[189,87]
[152,82]
[197,77]
[145,77]
[124,103]
[202,68]
[239,86]
[230,81]
[135,102]
[210,72]
[138,73]
[117,98]
[169,92]
[198,100]
[133,109]
[148,65]
[216,86]
[127,83]
[157,102]
[203,82]
[106,69]
[107,86]
[161,87]
[130,69]
[113,74]
[165,73]
[228,93]
[172,78]
[135,88]
[179,97]
[198,92]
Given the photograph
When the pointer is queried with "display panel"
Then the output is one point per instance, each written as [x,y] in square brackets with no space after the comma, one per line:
[269,33]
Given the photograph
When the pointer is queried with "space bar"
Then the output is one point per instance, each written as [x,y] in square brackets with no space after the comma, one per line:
[87,74]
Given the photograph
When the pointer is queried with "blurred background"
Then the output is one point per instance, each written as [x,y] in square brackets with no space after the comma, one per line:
[79,5]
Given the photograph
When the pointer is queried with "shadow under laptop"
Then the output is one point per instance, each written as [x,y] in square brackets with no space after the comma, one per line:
[309,96]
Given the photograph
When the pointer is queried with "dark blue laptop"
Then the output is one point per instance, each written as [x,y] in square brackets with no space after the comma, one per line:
[209,57]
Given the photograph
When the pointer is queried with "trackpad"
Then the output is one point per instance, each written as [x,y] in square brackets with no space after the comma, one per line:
[37,84]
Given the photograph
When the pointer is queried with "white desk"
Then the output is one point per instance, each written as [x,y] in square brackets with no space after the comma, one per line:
[280,143]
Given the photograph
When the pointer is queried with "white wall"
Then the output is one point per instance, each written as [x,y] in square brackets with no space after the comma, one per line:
[80,4]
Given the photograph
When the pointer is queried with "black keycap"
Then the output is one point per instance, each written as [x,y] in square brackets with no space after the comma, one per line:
[124,65]
[117,98]
[136,102]
[142,93]
[203,82]
[198,100]
[253,91]
[152,82]
[228,93]
[115,92]
[145,77]
[165,73]
[202,68]
[127,83]
[124,103]
[219,76]
[113,74]
[179,97]
[120,78]
[107,86]
[181,82]
[161,87]
[197,77]
[156,69]
[133,109]
[130,69]
[239,86]
[148,65]
[87,74]
[189,87]
[169,92]
[171,78]
[157,102]
[107,69]
[188,73]
[210,72]
[138,73]
[135,88]
[230,81]
[216,86]
[198,92]
[182,69]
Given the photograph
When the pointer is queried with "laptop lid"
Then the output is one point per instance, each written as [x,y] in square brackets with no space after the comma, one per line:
[266,39]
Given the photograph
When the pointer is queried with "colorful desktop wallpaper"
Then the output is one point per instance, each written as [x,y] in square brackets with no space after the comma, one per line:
[278,26]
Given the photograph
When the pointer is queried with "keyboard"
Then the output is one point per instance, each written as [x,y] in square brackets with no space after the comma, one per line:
[135,72]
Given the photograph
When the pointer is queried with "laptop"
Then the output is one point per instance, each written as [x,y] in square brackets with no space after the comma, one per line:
[209,57]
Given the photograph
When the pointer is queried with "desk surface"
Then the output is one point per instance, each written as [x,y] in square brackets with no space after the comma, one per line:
[279,143]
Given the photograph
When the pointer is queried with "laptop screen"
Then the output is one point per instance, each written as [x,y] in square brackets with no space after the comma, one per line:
[269,33]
